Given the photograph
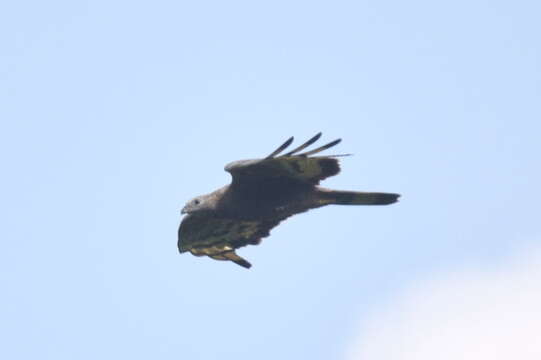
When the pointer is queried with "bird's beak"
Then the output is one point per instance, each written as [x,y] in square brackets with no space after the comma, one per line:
[183,211]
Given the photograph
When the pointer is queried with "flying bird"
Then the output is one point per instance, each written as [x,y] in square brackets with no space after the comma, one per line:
[263,192]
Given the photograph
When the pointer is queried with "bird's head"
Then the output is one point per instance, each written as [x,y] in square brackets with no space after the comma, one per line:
[200,203]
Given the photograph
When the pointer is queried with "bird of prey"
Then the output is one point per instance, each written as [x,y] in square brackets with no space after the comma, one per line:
[263,192]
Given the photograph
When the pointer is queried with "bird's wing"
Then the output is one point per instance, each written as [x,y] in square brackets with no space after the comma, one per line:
[218,238]
[293,166]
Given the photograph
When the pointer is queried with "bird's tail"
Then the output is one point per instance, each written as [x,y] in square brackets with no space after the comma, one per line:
[356,198]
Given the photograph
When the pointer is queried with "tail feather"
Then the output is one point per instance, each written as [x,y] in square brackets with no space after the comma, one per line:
[357,198]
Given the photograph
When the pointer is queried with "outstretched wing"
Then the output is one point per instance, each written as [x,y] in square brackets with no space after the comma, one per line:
[218,238]
[293,166]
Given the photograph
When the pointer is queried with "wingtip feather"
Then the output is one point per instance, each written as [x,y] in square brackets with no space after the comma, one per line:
[245,264]
[321,148]
[281,148]
[312,140]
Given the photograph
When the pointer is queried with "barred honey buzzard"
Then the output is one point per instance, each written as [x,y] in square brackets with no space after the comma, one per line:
[264,192]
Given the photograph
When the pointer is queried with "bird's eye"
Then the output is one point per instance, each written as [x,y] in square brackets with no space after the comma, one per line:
[196,202]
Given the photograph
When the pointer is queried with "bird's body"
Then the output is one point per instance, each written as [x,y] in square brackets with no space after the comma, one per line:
[263,193]
[264,202]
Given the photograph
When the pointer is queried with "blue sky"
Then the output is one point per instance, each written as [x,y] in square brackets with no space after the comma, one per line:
[115,114]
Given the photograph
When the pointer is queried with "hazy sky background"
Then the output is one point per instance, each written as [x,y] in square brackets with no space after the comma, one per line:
[113,114]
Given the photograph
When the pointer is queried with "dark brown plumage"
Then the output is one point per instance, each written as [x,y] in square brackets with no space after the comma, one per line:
[262,194]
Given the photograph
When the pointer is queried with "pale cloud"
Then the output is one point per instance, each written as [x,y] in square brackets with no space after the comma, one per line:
[470,314]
